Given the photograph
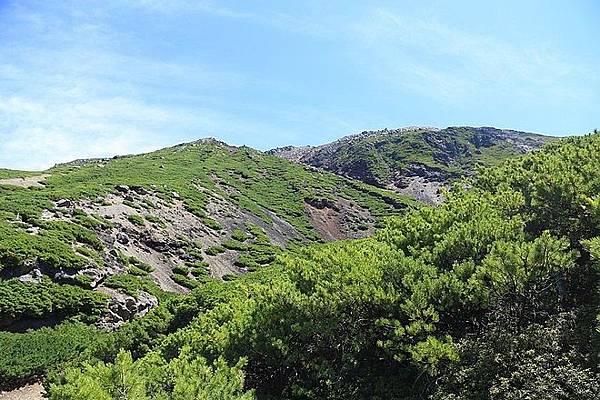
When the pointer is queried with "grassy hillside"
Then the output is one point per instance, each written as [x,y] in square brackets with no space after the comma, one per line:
[8,173]
[493,295]
[413,159]
[76,239]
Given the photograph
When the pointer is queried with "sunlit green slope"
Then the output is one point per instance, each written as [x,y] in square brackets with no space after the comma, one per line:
[492,295]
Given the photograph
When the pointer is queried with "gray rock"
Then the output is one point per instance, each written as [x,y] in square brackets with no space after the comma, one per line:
[34,276]
[122,238]
[33,230]
[123,308]
[96,275]
[122,188]
[65,276]
[65,203]
[140,190]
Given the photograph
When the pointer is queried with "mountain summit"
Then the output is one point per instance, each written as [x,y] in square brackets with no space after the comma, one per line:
[415,161]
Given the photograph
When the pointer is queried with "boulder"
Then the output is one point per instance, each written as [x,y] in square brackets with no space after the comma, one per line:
[65,203]
[34,276]
[123,238]
[321,203]
[96,275]
[140,190]
[123,308]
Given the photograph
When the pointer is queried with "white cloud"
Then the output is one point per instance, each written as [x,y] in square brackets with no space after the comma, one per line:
[37,134]
[71,88]
[440,61]
[68,90]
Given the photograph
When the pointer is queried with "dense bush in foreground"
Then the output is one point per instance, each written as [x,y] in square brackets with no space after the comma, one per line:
[492,295]
[33,353]
[20,300]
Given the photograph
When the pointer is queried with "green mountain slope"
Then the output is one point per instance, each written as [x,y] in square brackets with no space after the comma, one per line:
[415,161]
[100,240]
[492,295]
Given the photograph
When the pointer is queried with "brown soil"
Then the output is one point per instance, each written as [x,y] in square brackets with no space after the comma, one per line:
[339,222]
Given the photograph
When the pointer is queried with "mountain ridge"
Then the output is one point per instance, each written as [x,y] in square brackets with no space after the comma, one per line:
[127,229]
[415,161]
[442,302]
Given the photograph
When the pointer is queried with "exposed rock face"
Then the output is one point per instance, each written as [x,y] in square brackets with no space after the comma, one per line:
[122,238]
[421,183]
[94,275]
[123,308]
[33,276]
[415,161]
[175,218]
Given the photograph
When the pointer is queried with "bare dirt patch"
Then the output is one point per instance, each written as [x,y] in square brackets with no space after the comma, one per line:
[27,182]
[340,220]
[33,391]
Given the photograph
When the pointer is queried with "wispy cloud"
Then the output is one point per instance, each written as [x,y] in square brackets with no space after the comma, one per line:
[177,6]
[67,90]
[83,79]
[70,87]
[284,21]
[37,134]
[420,53]
[444,62]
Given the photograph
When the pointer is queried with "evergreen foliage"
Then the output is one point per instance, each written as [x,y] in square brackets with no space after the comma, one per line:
[44,231]
[492,295]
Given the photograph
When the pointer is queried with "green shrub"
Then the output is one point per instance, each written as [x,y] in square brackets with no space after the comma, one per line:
[129,284]
[136,219]
[239,235]
[181,270]
[22,301]
[184,281]
[83,281]
[141,265]
[24,355]
[154,379]
[155,220]
[214,250]
[233,244]
[212,224]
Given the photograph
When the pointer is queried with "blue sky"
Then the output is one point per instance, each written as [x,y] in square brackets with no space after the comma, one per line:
[97,78]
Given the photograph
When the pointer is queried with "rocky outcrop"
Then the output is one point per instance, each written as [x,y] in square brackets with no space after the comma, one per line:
[64,203]
[123,308]
[418,162]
